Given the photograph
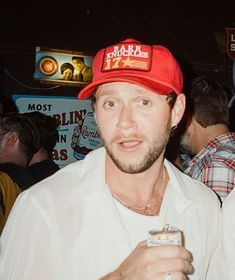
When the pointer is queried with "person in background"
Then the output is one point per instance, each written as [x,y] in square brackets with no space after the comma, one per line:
[228,236]
[41,165]
[207,136]
[91,219]
[82,72]
[67,70]
[19,141]
[9,191]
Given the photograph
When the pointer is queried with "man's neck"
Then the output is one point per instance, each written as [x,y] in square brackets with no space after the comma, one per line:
[210,133]
[141,186]
[15,159]
[38,157]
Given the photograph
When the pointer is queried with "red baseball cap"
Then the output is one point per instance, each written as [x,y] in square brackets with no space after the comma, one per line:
[153,67]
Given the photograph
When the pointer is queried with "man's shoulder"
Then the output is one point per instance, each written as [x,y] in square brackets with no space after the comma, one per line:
[9,190]
[75,175]
[222,146]
[229,202]
[8,184]
[224,158]
[221,156]
[7,166]
[19,174]
[192,188]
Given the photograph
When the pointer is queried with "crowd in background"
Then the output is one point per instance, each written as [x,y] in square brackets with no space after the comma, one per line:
[27,141]
[203,148]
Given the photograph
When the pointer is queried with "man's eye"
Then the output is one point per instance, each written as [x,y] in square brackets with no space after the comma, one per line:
[145,102]
[109,104]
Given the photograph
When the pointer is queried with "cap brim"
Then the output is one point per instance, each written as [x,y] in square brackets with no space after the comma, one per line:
[153,85]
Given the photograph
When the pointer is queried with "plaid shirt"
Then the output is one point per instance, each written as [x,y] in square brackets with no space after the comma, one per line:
[214,165]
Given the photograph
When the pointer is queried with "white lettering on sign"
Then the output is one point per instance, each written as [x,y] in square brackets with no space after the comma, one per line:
[232,47]
[128,50]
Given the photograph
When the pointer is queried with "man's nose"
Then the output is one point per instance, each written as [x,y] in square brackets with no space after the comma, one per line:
[126,118]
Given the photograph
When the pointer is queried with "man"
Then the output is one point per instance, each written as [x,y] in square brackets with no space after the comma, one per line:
[82,72]
[41,164]
[91,219]
[19,140]
[208,138]
[228,237]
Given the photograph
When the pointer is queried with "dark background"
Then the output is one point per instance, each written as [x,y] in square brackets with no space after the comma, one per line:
[194,30]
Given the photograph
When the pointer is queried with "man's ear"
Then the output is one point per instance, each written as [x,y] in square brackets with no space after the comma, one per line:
[178,110]
[10,138]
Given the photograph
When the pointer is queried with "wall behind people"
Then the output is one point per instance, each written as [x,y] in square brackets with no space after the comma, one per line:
[7,105]
[17,61]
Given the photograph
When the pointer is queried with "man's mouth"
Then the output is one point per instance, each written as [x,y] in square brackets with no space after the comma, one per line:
[129,143]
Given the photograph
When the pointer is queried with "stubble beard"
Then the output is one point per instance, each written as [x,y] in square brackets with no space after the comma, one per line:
[185,145]
[154,151]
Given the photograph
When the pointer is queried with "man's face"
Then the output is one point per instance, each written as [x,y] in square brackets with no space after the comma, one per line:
[135,125]
[78,64]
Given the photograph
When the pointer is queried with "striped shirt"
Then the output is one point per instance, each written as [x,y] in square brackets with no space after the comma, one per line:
[214,165]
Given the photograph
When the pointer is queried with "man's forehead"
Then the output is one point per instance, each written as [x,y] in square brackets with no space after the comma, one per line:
[114,86]
[125,89]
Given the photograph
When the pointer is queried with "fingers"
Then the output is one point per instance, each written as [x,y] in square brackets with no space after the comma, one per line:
[169,258]
[175,275]
[142,244]
[174,264]
[171,251]
[156,261]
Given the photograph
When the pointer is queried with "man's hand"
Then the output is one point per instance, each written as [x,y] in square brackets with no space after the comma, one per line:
[154,263]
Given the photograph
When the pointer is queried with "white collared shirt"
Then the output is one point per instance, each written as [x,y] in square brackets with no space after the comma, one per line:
[68,226]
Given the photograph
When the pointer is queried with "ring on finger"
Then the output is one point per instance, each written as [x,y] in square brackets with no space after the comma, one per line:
[168,276]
